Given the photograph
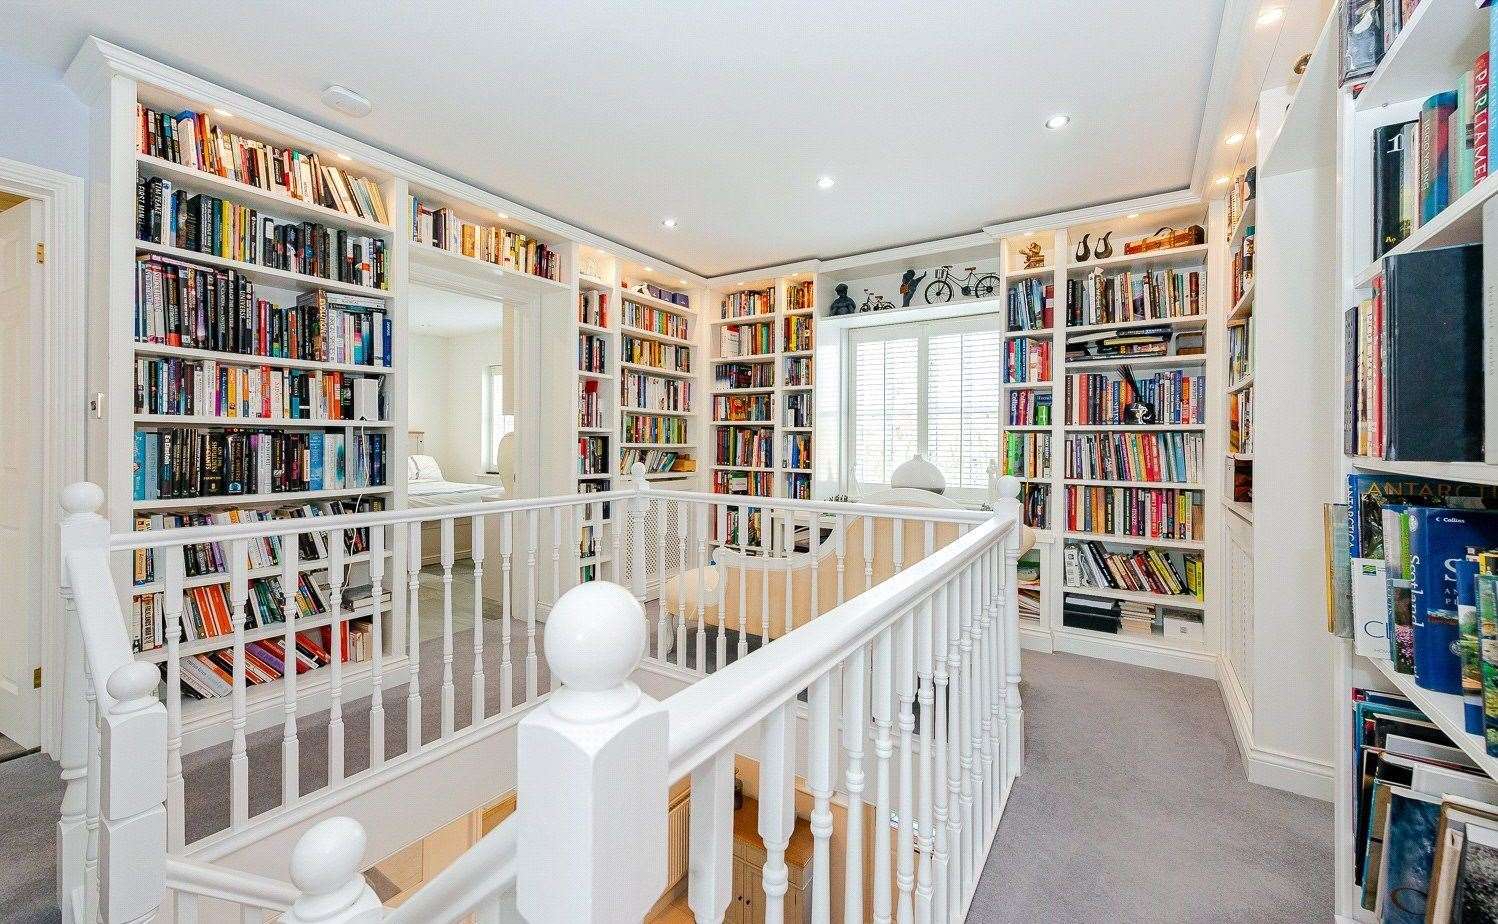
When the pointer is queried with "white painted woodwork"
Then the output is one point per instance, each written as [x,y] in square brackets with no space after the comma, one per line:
[22,320]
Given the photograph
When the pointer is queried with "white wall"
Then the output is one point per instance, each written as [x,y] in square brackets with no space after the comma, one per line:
[446,397]
[46,125]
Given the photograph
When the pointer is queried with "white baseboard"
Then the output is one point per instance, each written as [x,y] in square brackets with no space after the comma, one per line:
[1142,654]
[1267,766]
[1034,638]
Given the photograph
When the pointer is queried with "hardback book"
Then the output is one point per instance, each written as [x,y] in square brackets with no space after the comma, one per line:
[1433,374]
[1439,538]
[1409,849]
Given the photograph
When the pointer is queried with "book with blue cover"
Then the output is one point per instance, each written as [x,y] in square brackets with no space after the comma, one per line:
[1439,538]
[1408,851]
[1367,492]
[315,460]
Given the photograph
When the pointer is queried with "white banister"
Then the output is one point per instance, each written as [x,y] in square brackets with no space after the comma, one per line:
[476,552]
[325,868]
[449,691]
[1008,505]
[592,778]
[291,749]
[377,648]
[413,638]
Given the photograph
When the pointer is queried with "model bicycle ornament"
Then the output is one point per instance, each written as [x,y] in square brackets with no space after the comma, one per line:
[973,285]
[874,302]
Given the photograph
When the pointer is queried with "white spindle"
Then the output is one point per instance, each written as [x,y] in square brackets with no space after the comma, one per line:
[663,609]
[335,654]
[955,773]
[777,805]
[767,553]
[413,638]
[506,611]
[476,528]
[854,712]
[905,691]
[91,863]
[970,853]
[787,547]
[533,590]
[710,864]
[721,644]
[556,569]
[819,779]
[377,644]
[985,689]
[700,526]
[170,570]
[743,543]
[925,841]
[291,747]
[841,539]
[883,749]
[449,690]
[239,761]
[814,557]
[1014,722]
[870,526]
[941,851]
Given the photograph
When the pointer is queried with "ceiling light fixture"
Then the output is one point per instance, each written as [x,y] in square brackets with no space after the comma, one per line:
[1234,138]
[669,224]
[1060,120]
[1271,16]
[346,101]
[825,182]
[502,214]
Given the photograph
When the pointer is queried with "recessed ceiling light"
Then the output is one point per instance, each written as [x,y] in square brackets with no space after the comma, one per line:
[669,224]
[1234,138]
[1271,16]
[346,101]
[222,112]
[1060,120]
[682,281]
[342,156]
[825,182]
[647,270]
[1220,180]
[502,214]
[1133,215]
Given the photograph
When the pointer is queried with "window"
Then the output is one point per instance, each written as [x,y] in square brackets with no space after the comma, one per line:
[932,388]
[497,424]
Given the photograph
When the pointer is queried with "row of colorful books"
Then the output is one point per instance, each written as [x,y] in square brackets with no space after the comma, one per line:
[444,229]
[593,307]
[1027,455]
[1031,305]
[176,463]
[798,371]
[210,676]
[800,296]
[743,375]
[234,231]
[656,461]
[1241,422]
[1139,513]
[1029,408]
[193,140]
[1035,504]
[591,410]
[749,303]
[652,428]
[743,408]
[798,451]
[1099,298]
[1174,456]
[755,484]
[180,304]
[746,340]
[797,410]
[1156,571]
[592,353]
[651,318]
[1027,360]
[656,354]
[751,446]
[1100,398]
[168,385]
[592,455]
[796,334]
[651,392]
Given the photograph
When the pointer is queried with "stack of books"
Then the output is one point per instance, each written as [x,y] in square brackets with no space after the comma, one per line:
[1135,341]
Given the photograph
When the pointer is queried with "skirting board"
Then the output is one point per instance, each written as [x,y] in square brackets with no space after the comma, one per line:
[1034,638]
[1142,654]
[1265,766]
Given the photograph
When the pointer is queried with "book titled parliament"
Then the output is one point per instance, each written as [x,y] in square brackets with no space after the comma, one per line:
[1433,374]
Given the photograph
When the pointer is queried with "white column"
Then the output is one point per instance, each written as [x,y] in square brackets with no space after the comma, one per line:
[132,790]
[592,767]
[710,840]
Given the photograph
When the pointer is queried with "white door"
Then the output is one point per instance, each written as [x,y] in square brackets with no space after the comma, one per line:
[21,405]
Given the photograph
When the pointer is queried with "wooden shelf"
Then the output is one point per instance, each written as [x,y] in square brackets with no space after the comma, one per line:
[1478,472]
[255,500]
[1459,223]
[262,275]
[601,376]
[1180,602]
[1020,386]
[1189,544]
[1154,258]
[196,420]
[743,468]
[1091,483]
[245,194]
[1438,43]
[1033,332]
[645,299]
[767,318]
[768,389]
[750,358]
[246,359]
[1185,320]
[1138,362]
[743,423]
[1028,428]
[1244,511]
[1134,428]
[643,334]
[473,267]
[626,409]
[624,445]
[1039,272]
[593,282]
[585,327]
[1244,222]
[1245,304]
[1445,710]
[1244,383]
[653,370]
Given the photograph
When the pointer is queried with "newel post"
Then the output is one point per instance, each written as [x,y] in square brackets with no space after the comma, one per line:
[1008,504]
[593,772]
[132,796]
[325,868]
[82,530]
[638,505]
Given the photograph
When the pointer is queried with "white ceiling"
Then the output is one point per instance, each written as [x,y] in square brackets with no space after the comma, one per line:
[444,313]
[614,115]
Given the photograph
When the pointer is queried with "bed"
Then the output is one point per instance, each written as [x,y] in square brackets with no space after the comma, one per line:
[426,486]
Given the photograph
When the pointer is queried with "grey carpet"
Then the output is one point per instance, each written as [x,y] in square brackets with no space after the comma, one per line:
[1134,807]
[1166,828]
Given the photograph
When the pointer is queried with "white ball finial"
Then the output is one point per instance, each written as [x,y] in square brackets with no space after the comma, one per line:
[82,497]
[595,638]
[325,868]
[637,470]
[133,687]
[1009,486]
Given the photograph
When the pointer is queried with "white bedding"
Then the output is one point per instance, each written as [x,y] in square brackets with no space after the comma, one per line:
[437,493]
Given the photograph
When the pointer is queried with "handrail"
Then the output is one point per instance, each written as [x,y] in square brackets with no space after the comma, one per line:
[209,880]
[106,647]
[761,683]
[482,872]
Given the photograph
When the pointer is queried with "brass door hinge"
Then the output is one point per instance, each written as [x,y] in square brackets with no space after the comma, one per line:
[36,679]
[41,252]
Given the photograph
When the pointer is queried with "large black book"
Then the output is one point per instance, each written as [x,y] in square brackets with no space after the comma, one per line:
[1388,170]
[1434,366]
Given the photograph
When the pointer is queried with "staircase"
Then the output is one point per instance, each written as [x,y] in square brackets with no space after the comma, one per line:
[901,693]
